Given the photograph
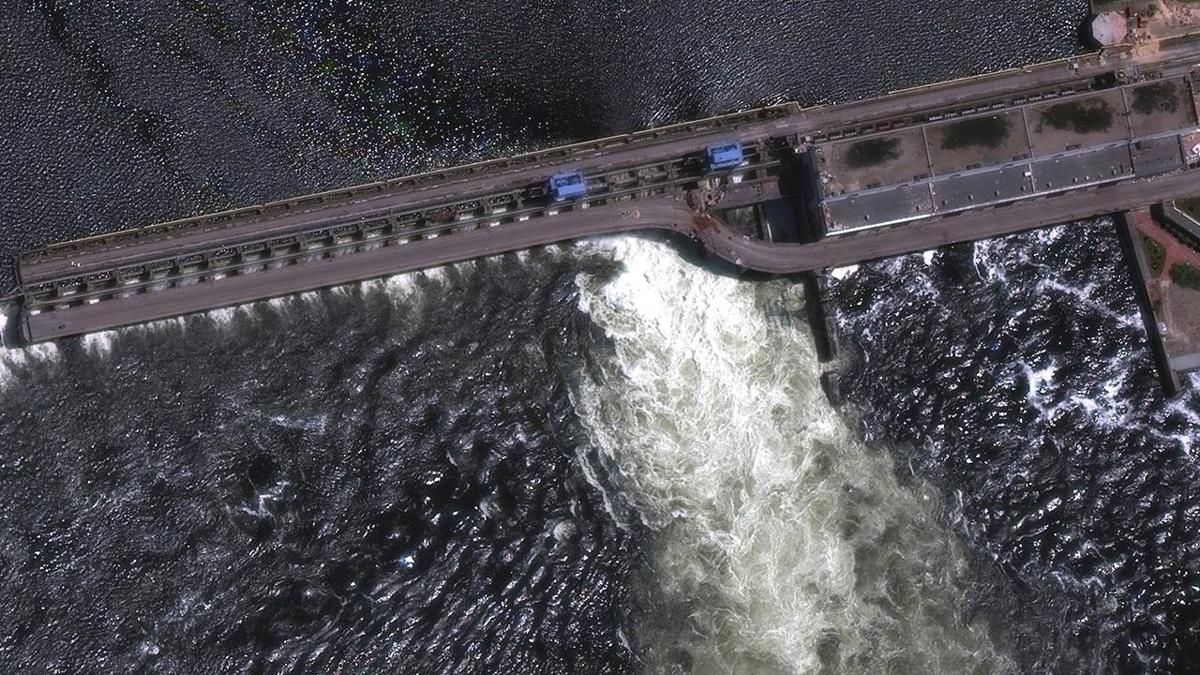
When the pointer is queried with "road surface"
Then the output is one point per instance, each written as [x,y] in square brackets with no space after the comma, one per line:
[672,214]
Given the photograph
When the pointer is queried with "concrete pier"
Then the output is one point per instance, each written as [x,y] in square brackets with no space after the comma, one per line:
[1165,264]
[1140,274]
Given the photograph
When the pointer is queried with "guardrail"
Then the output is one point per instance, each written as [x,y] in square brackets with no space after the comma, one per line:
[1073,61]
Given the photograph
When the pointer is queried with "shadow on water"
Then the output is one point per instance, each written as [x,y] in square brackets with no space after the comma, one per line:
[10,329]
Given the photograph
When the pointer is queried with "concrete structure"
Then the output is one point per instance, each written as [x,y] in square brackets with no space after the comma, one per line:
[1033,146]
[1110,28]
[949,190]
[1160,240]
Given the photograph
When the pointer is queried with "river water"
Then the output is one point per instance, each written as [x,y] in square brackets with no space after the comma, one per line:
[599,458]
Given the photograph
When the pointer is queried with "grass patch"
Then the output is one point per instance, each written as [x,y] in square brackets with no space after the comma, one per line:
[1186,275]
[872,152]
[1152,98]
[1080,117]
[988,132]
[1156,253]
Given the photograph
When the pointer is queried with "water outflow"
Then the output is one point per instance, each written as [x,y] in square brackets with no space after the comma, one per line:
[212,493]
[779,543]
[436,495]
[1015,374]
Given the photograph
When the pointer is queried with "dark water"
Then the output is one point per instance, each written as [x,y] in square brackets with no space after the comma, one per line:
[386,480]
[274,492]
[1015,375]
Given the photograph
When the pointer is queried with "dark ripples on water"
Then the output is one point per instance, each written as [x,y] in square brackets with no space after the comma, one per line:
[348,482]
[1015,375]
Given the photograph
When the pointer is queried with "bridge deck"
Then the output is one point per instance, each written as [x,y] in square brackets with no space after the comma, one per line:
[364,203]
[644,180]
[671,214]
[650,145]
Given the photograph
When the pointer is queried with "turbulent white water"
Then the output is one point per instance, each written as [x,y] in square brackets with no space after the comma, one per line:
[782,544]
[14,360]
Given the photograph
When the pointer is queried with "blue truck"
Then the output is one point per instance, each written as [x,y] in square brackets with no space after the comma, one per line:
[566,185]
[721,156]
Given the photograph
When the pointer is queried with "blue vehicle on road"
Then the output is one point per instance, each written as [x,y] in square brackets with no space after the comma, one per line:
[567,185]
[723,156]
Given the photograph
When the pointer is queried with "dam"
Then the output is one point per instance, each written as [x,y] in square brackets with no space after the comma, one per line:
[807,189]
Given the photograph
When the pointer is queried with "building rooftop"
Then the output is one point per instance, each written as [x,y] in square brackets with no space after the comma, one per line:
[1035,147]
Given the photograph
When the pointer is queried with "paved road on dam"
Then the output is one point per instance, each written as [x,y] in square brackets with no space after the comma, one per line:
[801,122]
[671,214]
[923,235]
[109,281]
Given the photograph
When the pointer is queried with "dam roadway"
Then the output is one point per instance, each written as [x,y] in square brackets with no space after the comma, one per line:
[641,181]
[671,214]
[606,154]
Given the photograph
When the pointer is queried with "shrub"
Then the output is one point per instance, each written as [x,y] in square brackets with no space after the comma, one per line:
[980,131]
[1158,97]
[1079,117]
[1186,275]
[1156,253]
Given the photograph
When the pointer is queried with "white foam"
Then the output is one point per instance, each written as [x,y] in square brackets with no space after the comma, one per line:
[315,424]
[223,317]
[265,501]
[989,265]
[1041,378]
[13,359]
[99,343]
[401,285]
[776,531]
[840,273]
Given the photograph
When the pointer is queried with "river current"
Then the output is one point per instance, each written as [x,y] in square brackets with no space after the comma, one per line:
[605,457]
